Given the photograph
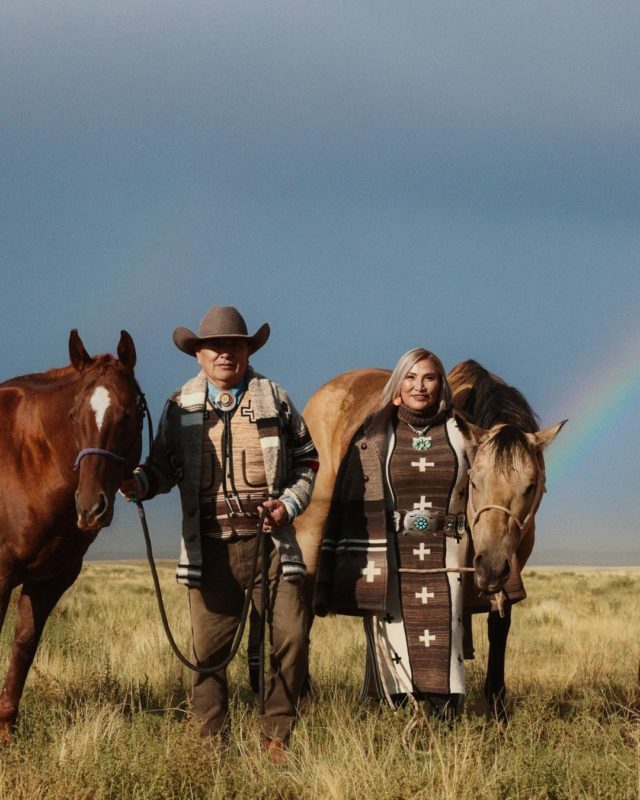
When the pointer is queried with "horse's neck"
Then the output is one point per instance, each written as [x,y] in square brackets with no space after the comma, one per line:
[46,402]
[50,390]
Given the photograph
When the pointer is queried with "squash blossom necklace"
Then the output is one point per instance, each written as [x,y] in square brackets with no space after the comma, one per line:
[420,441]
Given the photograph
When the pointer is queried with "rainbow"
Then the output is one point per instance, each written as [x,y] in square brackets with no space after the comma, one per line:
[611,393]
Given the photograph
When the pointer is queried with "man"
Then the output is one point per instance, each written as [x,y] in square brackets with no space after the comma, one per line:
[234,444]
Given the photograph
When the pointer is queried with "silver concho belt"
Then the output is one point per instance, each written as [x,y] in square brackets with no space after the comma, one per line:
[421,521]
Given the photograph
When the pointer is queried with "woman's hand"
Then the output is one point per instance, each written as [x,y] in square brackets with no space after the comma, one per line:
[277,514]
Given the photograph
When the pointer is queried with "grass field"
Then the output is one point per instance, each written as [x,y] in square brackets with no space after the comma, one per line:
[104,714]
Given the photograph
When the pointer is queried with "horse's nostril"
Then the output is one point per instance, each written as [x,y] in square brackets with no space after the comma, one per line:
[101,506]
[505,572]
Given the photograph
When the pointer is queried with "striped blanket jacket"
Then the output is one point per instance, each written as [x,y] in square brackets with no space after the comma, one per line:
[290,461]
[360,521]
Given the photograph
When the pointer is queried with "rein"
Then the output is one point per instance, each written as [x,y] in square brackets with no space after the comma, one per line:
[261,543]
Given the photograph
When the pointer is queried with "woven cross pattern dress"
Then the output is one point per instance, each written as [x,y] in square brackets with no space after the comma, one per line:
[415,647]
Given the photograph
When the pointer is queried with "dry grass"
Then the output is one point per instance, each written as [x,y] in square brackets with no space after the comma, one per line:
[104,711]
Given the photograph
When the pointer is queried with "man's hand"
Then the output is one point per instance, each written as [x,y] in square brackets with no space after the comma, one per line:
[277,516]
[131,489]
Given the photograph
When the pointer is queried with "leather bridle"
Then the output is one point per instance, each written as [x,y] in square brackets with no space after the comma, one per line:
[142,410]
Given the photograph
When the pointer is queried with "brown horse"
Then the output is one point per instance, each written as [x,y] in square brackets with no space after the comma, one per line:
[67,439]
[507,476]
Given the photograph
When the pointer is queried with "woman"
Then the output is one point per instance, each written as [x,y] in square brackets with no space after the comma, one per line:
[396,533]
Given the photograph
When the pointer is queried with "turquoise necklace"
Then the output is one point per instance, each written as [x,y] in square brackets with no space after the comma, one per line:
[420,441]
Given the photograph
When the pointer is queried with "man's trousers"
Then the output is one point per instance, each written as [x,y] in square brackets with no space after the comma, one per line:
[215,615]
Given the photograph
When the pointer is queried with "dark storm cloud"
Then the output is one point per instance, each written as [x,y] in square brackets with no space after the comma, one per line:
[485,106]
[367,176]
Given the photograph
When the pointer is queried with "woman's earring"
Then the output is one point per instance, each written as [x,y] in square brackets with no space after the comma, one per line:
[397,401]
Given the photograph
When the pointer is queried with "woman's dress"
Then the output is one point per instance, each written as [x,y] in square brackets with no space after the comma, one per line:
[416,646]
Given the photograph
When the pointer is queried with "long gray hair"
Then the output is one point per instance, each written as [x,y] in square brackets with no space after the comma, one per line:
[405,364]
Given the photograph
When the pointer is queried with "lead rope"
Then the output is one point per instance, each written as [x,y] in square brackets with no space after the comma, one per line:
[245,608]
[261,539]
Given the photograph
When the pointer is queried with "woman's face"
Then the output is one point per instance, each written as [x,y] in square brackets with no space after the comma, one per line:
[421,386]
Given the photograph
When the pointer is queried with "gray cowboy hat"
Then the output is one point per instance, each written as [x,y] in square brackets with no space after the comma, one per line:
[219,322]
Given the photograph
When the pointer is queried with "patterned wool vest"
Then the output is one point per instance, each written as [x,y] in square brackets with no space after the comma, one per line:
[229,501]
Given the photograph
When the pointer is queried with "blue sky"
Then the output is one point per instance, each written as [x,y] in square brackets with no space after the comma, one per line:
[367,177]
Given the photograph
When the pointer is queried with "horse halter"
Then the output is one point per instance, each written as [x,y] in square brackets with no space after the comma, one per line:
[96,451]
[475,513]
[142,410]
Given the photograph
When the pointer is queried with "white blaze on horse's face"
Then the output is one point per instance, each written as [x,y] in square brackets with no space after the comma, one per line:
[100,402]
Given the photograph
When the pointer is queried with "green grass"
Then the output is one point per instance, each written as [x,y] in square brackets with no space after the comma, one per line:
[104,714]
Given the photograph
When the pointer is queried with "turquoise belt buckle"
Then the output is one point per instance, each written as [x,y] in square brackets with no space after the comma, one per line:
[421,523]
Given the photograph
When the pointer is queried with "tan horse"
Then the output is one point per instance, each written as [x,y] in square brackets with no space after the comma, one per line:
[334,413]
[507,483]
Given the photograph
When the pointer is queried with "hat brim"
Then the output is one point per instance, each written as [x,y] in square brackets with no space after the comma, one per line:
[188,341]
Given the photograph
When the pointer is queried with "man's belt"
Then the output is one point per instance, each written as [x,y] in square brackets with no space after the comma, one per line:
[216,519]
[421,521]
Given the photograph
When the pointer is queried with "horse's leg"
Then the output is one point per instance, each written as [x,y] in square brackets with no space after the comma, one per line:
[36,602]
[5,596]
[494,688]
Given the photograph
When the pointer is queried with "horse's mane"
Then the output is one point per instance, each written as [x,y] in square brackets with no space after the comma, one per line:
[59,377]
[491,402]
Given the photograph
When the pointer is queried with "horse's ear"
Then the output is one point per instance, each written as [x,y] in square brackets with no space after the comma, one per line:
[126,350]
[78,355]
[472,433]
[543,438]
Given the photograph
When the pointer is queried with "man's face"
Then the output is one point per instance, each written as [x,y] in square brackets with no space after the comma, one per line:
[224,360]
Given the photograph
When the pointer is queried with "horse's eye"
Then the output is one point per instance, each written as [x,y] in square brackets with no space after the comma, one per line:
[529,489]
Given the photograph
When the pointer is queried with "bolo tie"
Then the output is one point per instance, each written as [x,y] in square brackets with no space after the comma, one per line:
[226,403]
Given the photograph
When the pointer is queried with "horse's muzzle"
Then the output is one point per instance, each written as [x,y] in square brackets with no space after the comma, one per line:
[491,574]
[98,516]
